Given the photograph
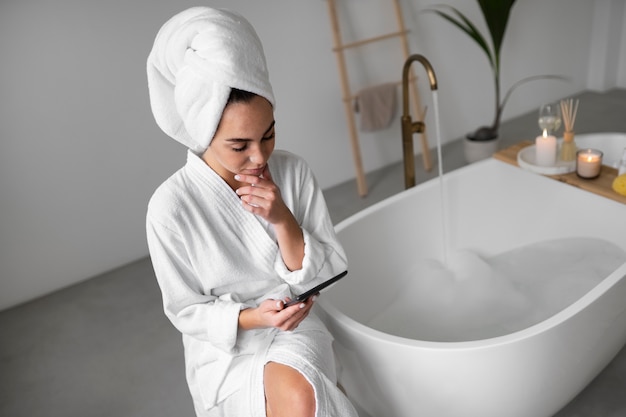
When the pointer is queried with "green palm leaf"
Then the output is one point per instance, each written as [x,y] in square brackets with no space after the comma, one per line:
[466,26]
[496,13]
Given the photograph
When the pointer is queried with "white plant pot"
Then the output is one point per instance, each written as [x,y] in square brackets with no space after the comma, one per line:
[477,150]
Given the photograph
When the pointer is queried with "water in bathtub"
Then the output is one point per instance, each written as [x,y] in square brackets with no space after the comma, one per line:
[471,297]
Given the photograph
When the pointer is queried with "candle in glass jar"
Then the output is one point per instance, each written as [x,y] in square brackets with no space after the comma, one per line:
[545,150]
[588,163]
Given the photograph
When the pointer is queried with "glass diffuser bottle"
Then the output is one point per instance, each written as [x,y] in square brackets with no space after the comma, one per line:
[568,147]
[568,113]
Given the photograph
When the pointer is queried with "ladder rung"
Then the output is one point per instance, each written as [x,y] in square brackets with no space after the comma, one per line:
[370,40]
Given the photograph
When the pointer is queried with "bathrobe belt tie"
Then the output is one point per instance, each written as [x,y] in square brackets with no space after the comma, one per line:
[255,384]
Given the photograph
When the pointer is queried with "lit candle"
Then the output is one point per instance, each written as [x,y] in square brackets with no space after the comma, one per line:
[545,150]
[588,163]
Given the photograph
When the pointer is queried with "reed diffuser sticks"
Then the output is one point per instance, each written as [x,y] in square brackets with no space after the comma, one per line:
[569,109]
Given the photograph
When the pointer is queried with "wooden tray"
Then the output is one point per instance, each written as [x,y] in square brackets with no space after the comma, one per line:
[602,185]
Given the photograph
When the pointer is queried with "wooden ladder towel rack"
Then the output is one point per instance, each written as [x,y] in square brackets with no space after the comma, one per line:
[339,48]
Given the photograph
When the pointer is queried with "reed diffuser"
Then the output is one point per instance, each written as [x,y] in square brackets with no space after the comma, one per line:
[568,113]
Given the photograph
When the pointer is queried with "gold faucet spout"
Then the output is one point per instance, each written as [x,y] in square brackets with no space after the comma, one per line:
[408,126]
[432,79]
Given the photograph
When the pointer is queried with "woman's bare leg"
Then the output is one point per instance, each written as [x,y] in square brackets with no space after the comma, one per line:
[287,392]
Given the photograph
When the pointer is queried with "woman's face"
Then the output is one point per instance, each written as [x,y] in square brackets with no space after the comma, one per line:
[244,140]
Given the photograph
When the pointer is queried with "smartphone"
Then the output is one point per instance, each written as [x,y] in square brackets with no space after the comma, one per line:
[305,295]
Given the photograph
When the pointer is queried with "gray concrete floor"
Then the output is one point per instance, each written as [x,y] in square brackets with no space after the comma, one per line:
[104,348]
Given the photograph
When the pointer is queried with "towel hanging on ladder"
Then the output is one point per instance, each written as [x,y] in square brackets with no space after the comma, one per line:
[377,106]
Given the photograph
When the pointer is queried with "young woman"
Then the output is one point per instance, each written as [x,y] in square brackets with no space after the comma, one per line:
[238,230]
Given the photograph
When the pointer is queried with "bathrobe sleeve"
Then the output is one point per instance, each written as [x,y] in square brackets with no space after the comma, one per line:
[202,316]
[324,256]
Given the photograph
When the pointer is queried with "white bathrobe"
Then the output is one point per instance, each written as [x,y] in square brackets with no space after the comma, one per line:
[212,258]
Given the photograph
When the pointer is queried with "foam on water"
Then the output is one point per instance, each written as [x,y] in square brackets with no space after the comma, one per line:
[471,297]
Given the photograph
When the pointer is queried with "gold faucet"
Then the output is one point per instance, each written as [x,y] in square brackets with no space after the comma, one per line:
[408,126]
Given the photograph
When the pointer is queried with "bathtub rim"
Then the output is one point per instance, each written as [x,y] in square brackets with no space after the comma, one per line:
[583,302]
[434,182]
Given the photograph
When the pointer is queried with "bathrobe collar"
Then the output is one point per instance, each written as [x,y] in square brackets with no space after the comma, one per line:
[257,230]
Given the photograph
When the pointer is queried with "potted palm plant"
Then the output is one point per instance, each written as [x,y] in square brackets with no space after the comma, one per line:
[484,141]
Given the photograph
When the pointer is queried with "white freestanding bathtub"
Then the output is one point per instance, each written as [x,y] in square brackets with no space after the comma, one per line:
[492,208]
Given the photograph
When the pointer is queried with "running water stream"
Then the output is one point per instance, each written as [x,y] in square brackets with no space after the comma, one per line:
[444,216]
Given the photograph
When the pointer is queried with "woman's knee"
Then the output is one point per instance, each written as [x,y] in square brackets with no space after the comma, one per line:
[287,392]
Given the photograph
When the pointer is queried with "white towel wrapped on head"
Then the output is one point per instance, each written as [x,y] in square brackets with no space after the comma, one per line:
[198,56]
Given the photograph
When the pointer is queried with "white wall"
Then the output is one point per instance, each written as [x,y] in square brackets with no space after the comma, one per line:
[80,153]
[607,37]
